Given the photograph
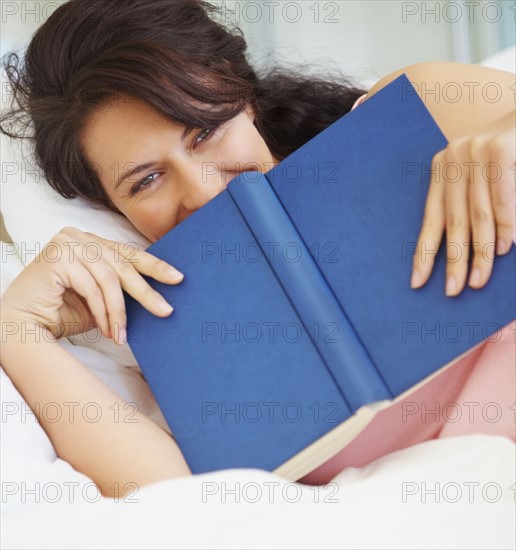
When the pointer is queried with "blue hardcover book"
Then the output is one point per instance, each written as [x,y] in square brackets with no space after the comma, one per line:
[295,323]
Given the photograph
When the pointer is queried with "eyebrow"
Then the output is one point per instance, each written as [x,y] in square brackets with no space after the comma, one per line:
[141,167]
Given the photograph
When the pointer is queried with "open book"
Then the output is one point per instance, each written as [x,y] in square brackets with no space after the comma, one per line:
[295,323]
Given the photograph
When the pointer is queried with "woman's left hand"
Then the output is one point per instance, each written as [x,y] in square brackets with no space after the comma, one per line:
[472,190]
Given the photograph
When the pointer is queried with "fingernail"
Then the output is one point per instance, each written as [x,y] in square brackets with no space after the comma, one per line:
[122,336]
[500,247]
[416,279]
[474,280]
[175,274]
[451,285]
[165,307]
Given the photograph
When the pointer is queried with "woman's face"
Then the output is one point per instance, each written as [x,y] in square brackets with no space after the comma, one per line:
[181,173]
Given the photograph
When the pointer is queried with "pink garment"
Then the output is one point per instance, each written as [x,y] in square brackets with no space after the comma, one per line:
[475,395]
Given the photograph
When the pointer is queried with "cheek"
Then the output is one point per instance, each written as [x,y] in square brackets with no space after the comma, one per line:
[153,217]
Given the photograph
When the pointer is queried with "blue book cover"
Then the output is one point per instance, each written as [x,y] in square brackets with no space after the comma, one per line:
[296,316]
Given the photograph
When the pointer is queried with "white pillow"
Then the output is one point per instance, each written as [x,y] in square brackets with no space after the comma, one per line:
[33,213]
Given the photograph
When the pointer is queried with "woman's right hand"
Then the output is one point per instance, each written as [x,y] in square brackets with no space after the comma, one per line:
[67,293]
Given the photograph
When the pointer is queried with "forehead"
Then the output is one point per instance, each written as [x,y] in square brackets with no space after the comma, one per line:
[121,118]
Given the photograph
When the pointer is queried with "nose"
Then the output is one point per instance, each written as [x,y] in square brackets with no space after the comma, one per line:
[200,183]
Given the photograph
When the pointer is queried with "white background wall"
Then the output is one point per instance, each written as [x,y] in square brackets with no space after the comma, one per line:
[370,38]
[365,38]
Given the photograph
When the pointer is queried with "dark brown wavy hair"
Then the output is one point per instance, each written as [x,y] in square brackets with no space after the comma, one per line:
[175,55]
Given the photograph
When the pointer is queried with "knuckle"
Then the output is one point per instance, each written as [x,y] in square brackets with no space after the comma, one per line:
[440,156]
[431,221]
[98,238]
[67,236]
[162,265]
[150,258]
[455,149]
[499,203]
[58,238]
[454,221]
[497,144]
[505,226]
[149,293]
[155,263]
[124,268]
[110,278]
[480,215]
[477,145]
[455,253]
[68,230]
[95,292]
[477,248]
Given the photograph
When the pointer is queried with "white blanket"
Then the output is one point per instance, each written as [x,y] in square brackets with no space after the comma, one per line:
[457,492]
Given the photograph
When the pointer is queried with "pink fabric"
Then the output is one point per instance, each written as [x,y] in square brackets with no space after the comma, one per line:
[492,384]
[475,395]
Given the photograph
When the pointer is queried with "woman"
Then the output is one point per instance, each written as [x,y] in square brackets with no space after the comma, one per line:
[114,84]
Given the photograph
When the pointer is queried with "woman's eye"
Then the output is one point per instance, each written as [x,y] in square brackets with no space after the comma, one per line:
[206,135]
[141,184]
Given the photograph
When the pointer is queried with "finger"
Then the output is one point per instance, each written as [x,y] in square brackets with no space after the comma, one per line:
[111,278]
[482,217]
[144,262]
[503,195]
[116,276]
[456,178]
[77,277]
[432,227]
[105,277]
[128,278]
[109,282]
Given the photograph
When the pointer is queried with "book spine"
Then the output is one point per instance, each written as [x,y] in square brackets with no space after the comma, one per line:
[323,318]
